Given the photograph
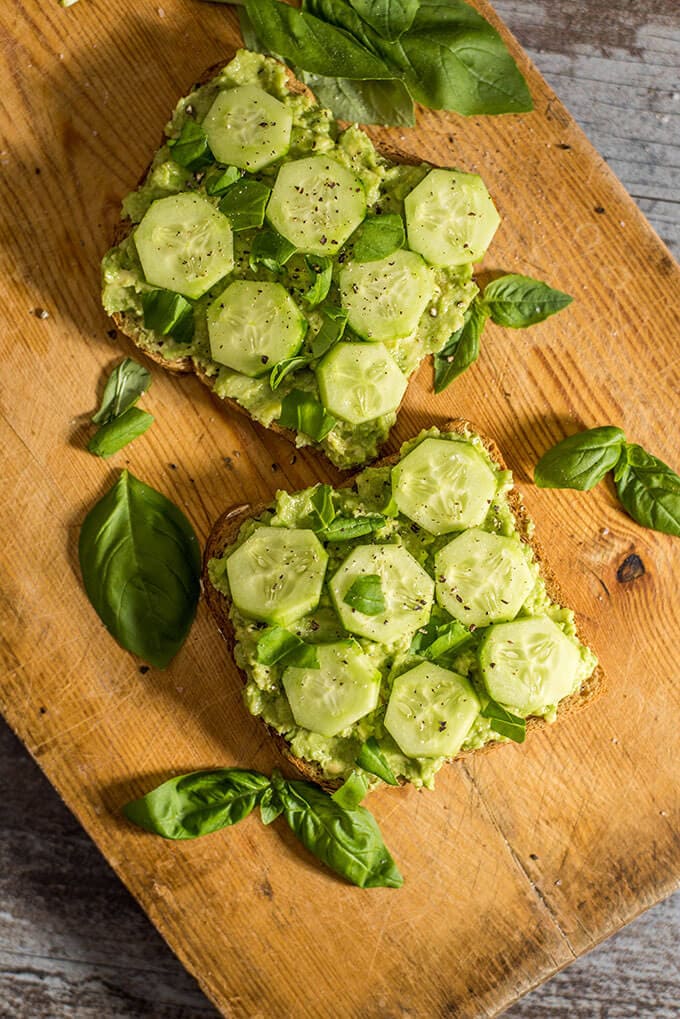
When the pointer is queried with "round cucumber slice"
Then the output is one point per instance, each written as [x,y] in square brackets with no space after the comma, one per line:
[276,574]
[360,381]
[342,690]
[528,665]
[386,298]
[316,204]
[248,128]
[444,485]
[406,588]
[482,578]
[450,218]
[254,325]
[431,711]
[184,244]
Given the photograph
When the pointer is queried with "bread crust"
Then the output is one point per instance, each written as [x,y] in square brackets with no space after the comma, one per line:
[225,531]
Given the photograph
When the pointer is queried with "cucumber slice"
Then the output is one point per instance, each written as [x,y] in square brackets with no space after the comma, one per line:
[450,218]
[252,326]
[184,244]
[385,299]
[407,591]
[482,578]
[277,574]
[431,711]
[248,128]
[444,485]
[316,203]
[360,381]
[528,665]
[342,690]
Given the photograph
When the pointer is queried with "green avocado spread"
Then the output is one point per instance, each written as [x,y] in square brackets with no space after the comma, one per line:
[386,184]
[372,495]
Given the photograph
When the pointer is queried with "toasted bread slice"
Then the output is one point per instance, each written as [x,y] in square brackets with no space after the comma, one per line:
[225,532]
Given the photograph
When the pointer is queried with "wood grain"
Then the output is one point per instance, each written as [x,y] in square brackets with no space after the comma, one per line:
[479,920]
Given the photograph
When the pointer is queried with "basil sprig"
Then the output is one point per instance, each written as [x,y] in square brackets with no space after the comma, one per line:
[191,149]
[271,250]
[118,433]
[378,237]
[505,724]
[372,759]
[244,202]
[332,329]
[648,489]
[218,179]
[168,314]
[462,349]
[385,102]
[366,595]
[141,564]
[302,412]
[348,528]
[335,829]
[450,637]
[124,386]
[321,269]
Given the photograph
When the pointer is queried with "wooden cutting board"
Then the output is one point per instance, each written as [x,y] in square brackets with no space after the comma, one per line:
[522,859]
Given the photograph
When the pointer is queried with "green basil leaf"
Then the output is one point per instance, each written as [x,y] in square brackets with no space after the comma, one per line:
[372,759]
[321,269]
[425,635]
[331,331]
[271,250]
[302,412]
[218,180]
[191,149]
[581,460]
[275,643]
[305,656]
[462,349]
[390,18]
[312,44]
[270,806]
[649,490]
[322,503]
[386,101]
[450,637]
[378,237]
[347,528]
[366,595]
[141,565]
[168,313]
[347,841]
[124,386]
[119,432]
[520,301]
[284,368]
[244,202]
[199,803]
[505,724]
[351,792]
[250,40]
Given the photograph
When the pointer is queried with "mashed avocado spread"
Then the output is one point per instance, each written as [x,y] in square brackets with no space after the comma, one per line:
[500,587]
[386,184]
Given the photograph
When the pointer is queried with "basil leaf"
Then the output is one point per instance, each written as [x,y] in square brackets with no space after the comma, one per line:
[124,386]
[275,643]
[303,657]
[351,792]
[284,368]
[191,149]
[347,841]
[271,250]
[250,40]
[168,313]
[219,180]
[450,637]
[119,432]
[141,565]
[322,503]
[244,203]
[505,724]
[302,412]
[378,237]
[199,803]
[332,330]
[372,759]
[462,349]
[270,806]
[312,44]
[520,301]
[346,528]
[581,460]
[321,269]
[385,102]
[366,595]
[390,18]
[649,490]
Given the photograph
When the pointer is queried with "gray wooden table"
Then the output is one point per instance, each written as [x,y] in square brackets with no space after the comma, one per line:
[73,944]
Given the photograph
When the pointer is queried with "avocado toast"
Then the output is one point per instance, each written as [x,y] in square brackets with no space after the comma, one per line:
[302,275]
[423,612]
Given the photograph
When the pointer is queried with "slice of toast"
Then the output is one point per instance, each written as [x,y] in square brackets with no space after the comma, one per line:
[225,532]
